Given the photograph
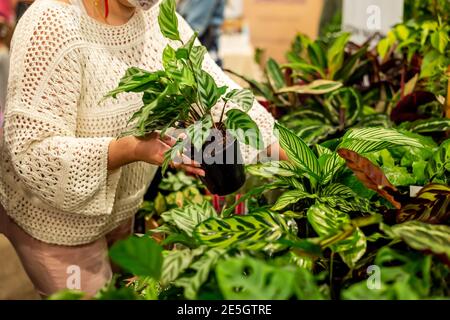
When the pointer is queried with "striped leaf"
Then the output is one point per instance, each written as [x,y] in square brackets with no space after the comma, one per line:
[298,152]
[256,231]
[175,262]
[291,197]
[168,21]
[425,237]
[199,131]
[244,129]
[327,222]
[429,125]
[197,56]
[317,87]
[431,205]
[242,97]
[271,169]
[201,270]
[208,92]
[188,217]
[376,139]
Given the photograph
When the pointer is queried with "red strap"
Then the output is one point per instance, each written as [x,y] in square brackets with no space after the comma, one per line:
[106,9]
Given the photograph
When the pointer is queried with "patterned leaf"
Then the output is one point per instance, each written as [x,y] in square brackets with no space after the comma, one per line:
[197,56]
[188,217]
[208,92]
[176,262]
[199,131]
[291,197]
[242,97]
[376,139]
[425,237]
[317,87]
[271,169]
[298,152]
[431,205]
[256,231]
[201,268]
[243,128]
[328,222]
[168,21]
[370,175]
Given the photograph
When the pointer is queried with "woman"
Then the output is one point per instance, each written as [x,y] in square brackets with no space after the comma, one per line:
[68,187]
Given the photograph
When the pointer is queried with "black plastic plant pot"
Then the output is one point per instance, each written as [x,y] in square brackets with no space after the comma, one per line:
[223,166]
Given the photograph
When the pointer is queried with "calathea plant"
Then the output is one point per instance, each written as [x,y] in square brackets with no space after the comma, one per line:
[183,95]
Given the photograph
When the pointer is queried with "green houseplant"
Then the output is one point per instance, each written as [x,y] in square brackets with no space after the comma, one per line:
[182,95]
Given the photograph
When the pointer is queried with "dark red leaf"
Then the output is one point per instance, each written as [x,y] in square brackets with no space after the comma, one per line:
[407,108]
[370,175]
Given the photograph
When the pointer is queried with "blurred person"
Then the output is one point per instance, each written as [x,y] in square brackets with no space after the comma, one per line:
[206,17]
[68,187]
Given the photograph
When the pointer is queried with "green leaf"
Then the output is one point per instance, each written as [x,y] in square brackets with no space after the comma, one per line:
[317,87]
[376,139]
[136,80]
[173,154]
[250,279]
[298,152]
[433,63]
[168,21]
[201,268]
[317,55]
[176,262]
[141,256]
[199,131]
[335,54]
[188,217]
[242,97]
[208,92]
[439,40]
[275,75]
[291,197]
[197,56]
[304,68]
[271,169]
[256,231]
[425,237]
[244,129]
[328,222]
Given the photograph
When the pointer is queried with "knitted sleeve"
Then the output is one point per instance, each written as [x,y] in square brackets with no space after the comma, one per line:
[258,113]
[60,169]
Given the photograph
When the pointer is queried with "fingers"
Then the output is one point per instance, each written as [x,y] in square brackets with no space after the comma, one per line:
[188,169]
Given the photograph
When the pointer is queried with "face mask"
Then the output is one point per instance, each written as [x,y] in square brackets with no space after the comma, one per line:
[143,4]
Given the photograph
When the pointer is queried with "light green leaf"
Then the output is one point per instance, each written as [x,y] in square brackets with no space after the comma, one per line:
[242,97]
[275,75]
[199,131]
[256,231]
[291,197]
[298,152]
[243,128]
[317,87]
[425,237]
[188,217]
[168,21]
[335,54]
[202,267]
[328,222]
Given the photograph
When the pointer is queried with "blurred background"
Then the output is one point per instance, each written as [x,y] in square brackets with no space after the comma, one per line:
[238,31]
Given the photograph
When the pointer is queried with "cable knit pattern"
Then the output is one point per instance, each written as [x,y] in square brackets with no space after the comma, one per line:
[54,178]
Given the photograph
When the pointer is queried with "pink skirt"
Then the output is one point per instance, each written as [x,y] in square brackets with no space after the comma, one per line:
[52,268]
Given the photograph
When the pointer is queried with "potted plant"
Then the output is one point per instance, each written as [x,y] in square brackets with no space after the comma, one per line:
[182,96]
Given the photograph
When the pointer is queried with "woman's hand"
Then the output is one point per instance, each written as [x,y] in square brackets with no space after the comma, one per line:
[150,149]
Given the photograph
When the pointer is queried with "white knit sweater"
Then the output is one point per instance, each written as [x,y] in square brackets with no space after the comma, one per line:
[54,180]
